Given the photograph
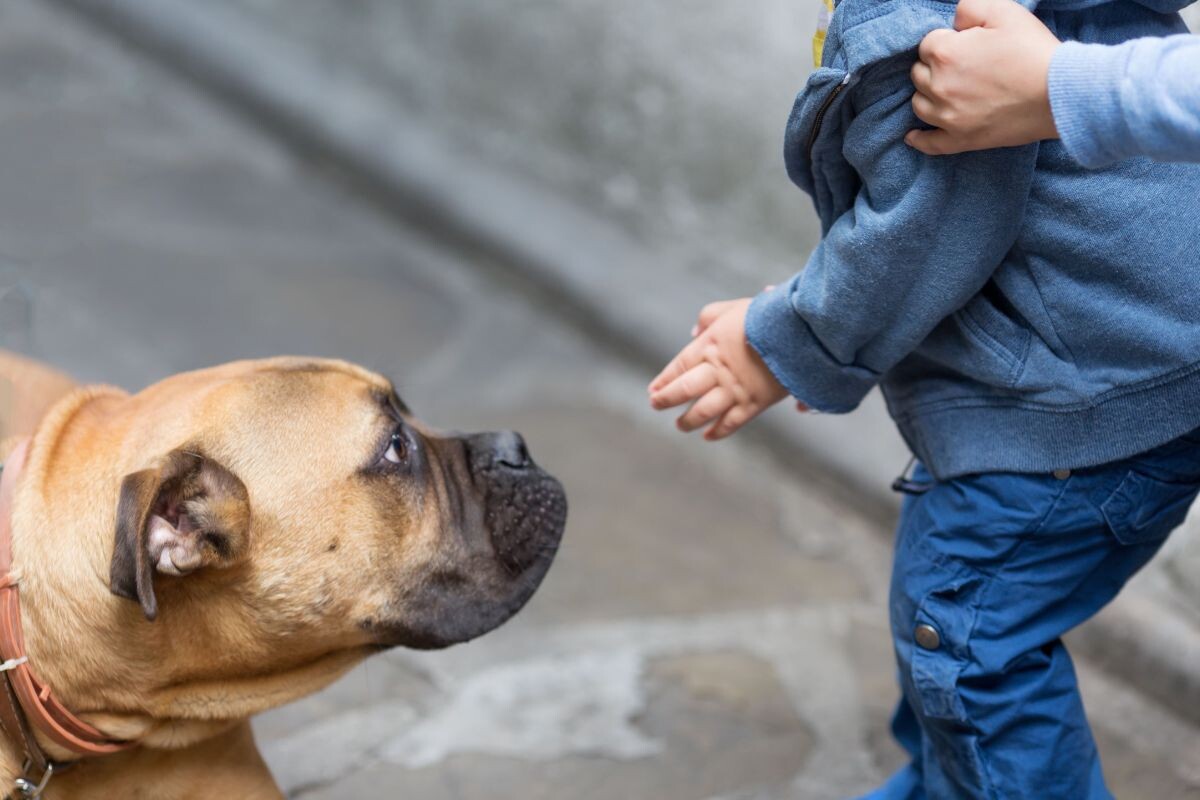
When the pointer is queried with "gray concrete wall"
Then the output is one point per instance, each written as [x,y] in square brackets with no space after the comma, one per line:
[663,119]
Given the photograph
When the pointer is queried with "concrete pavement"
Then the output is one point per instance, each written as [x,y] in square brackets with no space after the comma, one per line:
[713,628]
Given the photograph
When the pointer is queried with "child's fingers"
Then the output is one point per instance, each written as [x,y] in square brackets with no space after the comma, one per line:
[676,367]
[708,315]
[694,383]
[709,407]
[688,357]
[728,424]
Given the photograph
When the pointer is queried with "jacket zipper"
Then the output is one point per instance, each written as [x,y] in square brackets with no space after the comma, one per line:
[820,118]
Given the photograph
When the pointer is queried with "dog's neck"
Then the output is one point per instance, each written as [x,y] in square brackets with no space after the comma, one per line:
[30,731]
[39,729]
[58,558]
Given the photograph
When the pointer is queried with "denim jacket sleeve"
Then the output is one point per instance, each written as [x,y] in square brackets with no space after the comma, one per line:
[911,241]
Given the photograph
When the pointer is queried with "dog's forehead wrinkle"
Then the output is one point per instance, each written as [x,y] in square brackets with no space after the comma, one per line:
[270,393]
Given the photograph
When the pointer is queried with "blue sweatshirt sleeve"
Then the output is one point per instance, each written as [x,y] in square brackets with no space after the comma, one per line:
[1140,98]
[922,237]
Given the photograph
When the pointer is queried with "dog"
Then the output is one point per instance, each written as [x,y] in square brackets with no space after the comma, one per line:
[232,539]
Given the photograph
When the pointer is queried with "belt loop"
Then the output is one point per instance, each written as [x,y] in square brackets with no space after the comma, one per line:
[906,485]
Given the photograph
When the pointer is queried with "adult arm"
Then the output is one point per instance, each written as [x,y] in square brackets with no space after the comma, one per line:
[1002,79]
[983,84]
[1140,98]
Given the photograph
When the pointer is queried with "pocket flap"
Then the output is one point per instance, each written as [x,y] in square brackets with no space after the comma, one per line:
[951,610]
[1144,509]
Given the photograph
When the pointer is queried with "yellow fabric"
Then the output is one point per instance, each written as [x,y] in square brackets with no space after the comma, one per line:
[823,16]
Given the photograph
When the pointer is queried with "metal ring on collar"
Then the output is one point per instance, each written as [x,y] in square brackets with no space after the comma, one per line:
[12,663]
[28,789]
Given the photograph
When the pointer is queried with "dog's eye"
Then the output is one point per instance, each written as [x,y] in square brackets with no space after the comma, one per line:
[397,451]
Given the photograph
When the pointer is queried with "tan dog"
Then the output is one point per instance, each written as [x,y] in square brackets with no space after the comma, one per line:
[232,539]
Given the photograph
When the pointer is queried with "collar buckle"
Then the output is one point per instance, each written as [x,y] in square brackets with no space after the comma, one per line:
[26,788]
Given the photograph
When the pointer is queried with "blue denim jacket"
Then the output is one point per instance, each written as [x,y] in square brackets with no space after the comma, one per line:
[1020,312]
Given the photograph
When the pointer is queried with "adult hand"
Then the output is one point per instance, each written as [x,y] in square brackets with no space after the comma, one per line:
[719,373]
[984,84]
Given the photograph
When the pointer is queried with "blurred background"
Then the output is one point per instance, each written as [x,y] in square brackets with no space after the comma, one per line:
[515,210]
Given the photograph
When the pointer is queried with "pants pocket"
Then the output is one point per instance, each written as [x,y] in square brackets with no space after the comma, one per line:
[1145,509]
[942,630]
[944,618]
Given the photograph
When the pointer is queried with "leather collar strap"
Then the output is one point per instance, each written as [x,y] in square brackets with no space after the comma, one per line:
[27,702]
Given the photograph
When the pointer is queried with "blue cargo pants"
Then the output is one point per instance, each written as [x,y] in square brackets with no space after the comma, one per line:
[990,571]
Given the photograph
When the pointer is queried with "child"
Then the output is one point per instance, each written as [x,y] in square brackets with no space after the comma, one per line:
[1035,329]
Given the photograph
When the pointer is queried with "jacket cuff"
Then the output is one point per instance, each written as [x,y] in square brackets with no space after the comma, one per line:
[1085,98]
[797,358]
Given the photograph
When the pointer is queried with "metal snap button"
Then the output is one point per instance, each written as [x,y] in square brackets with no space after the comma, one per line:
[927,637]
[1062,474]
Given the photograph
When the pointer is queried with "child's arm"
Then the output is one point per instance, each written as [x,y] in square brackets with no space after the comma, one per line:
[922,237]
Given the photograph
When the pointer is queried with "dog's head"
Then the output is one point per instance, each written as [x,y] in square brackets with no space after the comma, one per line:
[279,512]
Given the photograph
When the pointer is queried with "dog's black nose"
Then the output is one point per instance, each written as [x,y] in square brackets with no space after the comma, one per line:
[499,447]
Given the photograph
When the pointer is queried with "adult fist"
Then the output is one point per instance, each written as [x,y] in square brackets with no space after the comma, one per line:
[984,84]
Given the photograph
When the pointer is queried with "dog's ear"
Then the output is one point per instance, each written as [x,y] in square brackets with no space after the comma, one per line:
[189,512]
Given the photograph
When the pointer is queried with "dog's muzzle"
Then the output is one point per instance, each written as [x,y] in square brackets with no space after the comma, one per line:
[525,508]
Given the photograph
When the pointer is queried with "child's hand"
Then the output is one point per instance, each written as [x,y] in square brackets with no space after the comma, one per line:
[720,371]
